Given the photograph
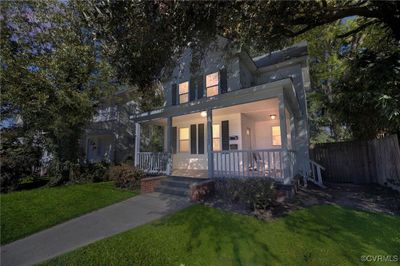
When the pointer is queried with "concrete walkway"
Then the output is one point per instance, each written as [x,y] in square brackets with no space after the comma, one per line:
[89,228]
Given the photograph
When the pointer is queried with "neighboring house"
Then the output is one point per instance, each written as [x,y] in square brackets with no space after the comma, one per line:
[236,116]
[110,135]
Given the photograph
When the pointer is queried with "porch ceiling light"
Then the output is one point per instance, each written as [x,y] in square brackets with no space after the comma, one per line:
[203,114]
[273,116]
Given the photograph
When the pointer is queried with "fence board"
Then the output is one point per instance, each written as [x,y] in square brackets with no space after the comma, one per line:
[370,161]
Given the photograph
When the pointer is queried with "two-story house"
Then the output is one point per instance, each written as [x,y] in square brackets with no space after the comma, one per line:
[110,135]
[237,116]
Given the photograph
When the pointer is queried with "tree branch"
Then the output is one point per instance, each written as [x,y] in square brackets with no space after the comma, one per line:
[363,26]
[334,14]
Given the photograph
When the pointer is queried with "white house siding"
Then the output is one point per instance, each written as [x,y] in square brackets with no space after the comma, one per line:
[263,131]
[247,123]
[199,161]
[295,72]
[187,160]
[261,138]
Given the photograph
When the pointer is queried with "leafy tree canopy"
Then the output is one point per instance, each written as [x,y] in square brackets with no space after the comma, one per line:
[51,75]
[142,37]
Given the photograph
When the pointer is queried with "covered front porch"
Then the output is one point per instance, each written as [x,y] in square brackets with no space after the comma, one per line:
[235,138]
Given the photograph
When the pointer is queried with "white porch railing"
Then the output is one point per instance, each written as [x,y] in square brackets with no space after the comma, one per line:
[153,162]
[313,174]
[275,163]
[253,163]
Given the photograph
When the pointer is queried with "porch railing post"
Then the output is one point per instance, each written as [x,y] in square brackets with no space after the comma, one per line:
[169,146]
[137,143]
[210,158]
[284,141]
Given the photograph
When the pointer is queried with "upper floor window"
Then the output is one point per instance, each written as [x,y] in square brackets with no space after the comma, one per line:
[184,92]
[276,135]
[212,84]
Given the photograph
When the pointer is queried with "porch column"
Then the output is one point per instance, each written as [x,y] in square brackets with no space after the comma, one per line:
[137,143]
[210,158]
[169,145]
[284,141]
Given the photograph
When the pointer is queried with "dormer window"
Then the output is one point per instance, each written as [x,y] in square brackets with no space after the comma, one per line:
[184,92]
[212,84]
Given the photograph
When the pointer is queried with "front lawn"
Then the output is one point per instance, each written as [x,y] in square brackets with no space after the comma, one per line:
[26,212]
[199,235]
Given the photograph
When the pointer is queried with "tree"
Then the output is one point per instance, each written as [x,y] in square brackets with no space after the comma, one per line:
[144,37]
[51,76]
[354,82]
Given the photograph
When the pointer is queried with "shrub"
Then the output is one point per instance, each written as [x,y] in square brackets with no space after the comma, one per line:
[63,172]
[95,172]
[18,157]
[71,172]
[125,176]
[257,192]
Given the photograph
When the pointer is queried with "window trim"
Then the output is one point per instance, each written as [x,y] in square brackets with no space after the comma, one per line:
[217,85]
[186,93]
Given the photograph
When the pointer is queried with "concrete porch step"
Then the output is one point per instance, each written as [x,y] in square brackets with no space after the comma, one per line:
[177,191]
[186,178]
[176,183]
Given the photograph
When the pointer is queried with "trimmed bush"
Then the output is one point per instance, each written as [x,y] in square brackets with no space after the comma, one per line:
[257,193]
[125,176]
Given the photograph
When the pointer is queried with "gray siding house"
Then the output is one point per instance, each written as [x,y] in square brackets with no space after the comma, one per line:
[236,116]
[110,135]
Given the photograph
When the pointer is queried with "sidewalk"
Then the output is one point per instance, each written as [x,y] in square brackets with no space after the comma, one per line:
[90,227]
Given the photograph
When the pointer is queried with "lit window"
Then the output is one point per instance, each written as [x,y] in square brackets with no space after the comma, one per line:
[212,84]
[184,139]
[184,92]
[216,138]
[276,135]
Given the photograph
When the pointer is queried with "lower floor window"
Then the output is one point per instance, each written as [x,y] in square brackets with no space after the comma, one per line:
[276,135]
[216,138]
[184,139]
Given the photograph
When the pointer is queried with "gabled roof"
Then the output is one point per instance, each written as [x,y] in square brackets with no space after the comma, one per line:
[297,50]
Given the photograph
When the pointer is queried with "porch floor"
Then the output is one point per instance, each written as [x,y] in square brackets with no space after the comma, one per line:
[190,173]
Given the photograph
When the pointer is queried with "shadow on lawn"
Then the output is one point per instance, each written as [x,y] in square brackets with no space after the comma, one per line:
[235,237]
[355,233]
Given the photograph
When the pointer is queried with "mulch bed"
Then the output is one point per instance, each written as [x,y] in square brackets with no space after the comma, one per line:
[373,198]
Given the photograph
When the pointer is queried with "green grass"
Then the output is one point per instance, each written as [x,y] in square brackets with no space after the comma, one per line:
[199,235]
[26,212]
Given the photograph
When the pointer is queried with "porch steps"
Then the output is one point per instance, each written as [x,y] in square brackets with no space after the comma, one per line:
[177,185]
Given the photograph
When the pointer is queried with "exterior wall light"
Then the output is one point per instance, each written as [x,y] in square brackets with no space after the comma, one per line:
[203,114]
[273,116]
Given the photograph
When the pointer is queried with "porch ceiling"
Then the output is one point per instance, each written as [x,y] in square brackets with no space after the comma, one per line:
[257,111]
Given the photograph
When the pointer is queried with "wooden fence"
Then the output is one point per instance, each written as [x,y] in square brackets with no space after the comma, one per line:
[372,161]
